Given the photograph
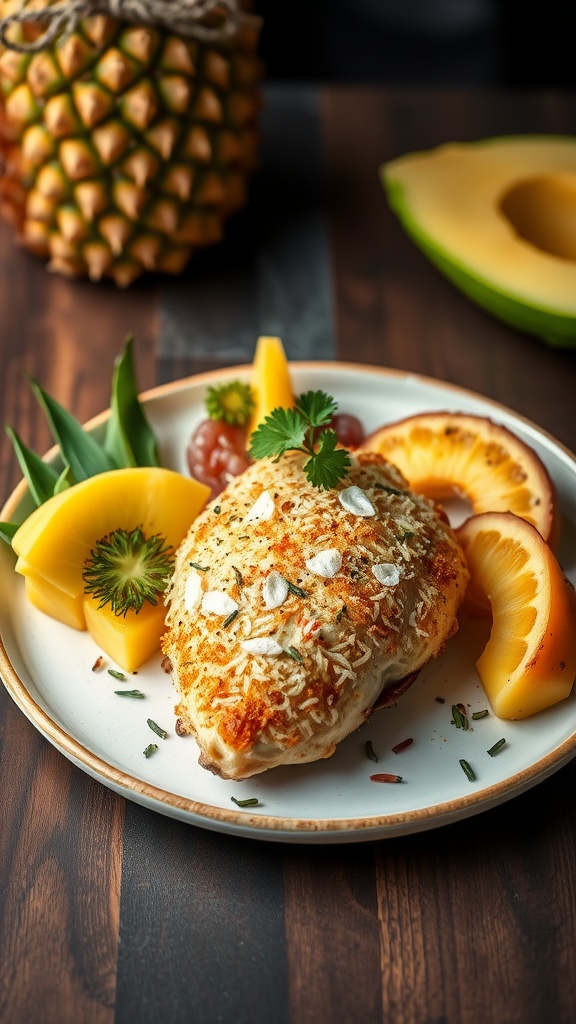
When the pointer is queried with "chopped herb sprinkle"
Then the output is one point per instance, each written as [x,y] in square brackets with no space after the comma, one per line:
[230,619]
[476,715]
[370,752]
[251,801]
[157,729]
[200,568]
[150,749]
[295,655]
[385,777]
[343,611]
[137,694]
[391,490]
[238,575]
[459,718]
[217,509]
[116,674]
[496,747]
[402,746]
[297,591]
[468,771]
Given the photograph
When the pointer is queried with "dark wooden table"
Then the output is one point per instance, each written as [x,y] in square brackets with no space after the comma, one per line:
[109,912]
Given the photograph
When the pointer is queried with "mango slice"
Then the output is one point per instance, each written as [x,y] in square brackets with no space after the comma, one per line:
[129,639]
[270,382]
[57,538]
[54,542]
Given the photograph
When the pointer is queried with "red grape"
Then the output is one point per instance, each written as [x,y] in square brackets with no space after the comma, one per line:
[216,452]
[348,428]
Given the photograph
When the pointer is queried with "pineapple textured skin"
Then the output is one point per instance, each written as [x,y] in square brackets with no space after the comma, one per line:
[125,147]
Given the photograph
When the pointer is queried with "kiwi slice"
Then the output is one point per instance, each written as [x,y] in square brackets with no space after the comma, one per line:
[125,569]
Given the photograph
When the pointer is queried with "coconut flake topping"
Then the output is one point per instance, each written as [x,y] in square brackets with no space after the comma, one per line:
[262,645]
[325,563]
[386,573]
[216,602]
[263,508]
[192,592]
[355,500]
[274,590]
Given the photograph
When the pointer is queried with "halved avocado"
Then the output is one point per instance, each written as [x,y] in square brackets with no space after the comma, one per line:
[498,218]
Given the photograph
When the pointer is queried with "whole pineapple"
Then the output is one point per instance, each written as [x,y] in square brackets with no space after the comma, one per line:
[125,146]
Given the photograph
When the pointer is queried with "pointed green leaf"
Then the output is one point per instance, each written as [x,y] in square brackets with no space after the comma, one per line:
[79,449]
[130,440]
[64,481]
[41,476]
[7,531]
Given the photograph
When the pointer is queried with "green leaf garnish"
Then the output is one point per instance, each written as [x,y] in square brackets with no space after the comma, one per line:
[125,569]
[79,449]
[298,430]
[7,531]
[130,440]
[232,402]
[41,476]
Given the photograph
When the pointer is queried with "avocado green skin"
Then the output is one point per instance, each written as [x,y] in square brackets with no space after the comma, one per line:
[557,329]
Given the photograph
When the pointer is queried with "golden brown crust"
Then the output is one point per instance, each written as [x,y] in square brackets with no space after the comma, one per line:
[339,639]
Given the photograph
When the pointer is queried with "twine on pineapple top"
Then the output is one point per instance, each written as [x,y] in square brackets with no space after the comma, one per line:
[185,17]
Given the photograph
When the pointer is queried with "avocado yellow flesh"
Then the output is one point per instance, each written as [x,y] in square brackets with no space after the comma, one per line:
[498,218]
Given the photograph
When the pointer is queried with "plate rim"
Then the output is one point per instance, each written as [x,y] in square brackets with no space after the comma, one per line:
[260,825]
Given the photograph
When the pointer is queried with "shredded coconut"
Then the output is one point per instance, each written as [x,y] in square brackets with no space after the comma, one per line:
[274,590]
[355,500]
[263,508]
[326,563]
[216,602]
[262,645]
[386,573]
[192,592]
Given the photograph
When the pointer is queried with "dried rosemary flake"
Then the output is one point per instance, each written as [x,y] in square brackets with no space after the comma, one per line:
[251,801]
[459,718]
[343,611]
[370,752]
[137,694]
[476,715]
[391,490]
[238,575]
[402,746]
[496,747]
[116,674]
[150,749]
[157,728]
[468,771]
[295,655]
[297,591]
[230,619]
[385,777]
[200,568]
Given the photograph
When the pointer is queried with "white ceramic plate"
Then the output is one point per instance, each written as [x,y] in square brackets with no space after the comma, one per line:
[47,668]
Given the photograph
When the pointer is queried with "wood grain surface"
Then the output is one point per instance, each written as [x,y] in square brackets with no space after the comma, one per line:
[111,913]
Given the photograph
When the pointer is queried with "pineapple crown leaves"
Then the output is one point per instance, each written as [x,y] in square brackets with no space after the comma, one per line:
[185,17]
[129,439]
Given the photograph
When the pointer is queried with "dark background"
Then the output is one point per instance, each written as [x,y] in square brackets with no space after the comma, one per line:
[499,43]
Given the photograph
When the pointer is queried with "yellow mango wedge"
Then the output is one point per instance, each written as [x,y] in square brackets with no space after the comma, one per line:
[57,538]
[54,602]
[270,381]
[55,541]
[128,639]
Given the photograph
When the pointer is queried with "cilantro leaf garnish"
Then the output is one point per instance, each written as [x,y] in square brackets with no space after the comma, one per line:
[298,430]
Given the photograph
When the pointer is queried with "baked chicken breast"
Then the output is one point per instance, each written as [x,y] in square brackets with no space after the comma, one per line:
[292,609]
